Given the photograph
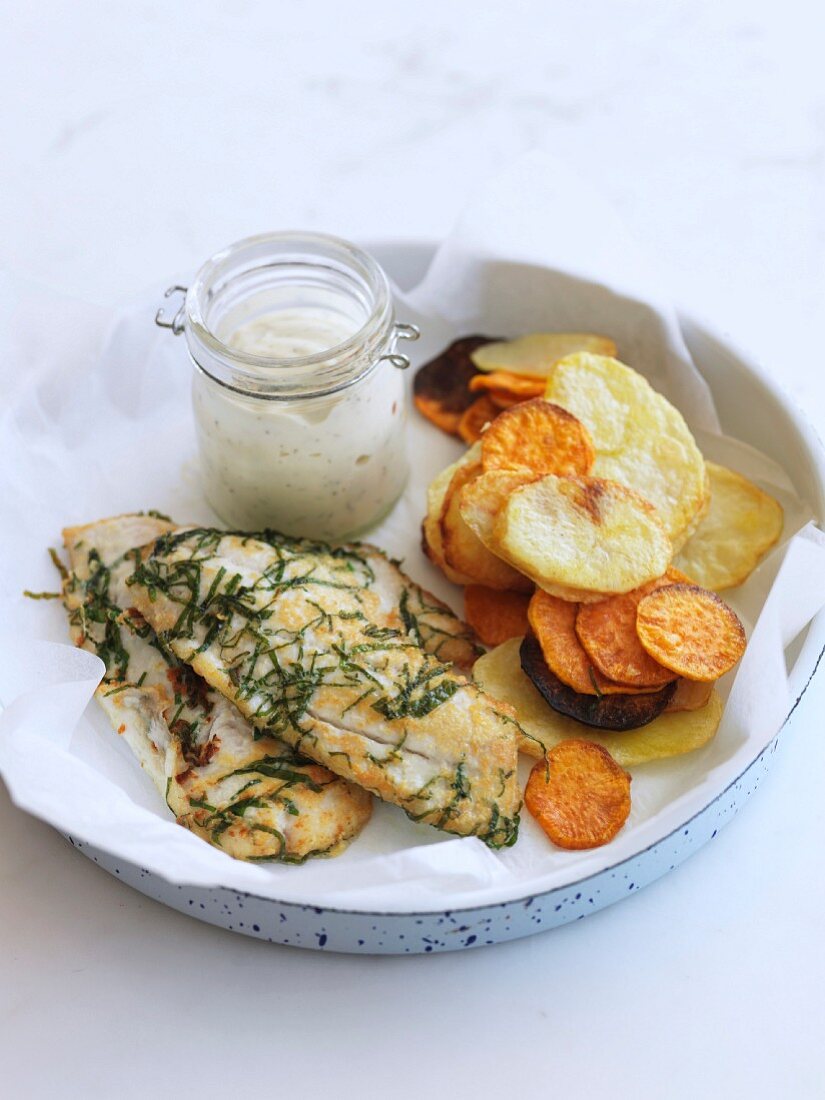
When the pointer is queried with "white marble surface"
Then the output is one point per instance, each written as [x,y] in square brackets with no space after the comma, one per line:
[137,139]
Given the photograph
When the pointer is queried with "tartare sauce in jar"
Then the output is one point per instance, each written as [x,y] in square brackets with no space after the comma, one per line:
[299,404]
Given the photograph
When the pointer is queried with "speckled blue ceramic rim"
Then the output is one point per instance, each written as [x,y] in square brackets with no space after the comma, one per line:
[381,933]
[377,933]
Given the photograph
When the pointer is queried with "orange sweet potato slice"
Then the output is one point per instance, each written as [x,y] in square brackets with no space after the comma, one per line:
[502,399]
[441,389]
[607,631]
[494,615]
[503,383]
[579,795]
[541,436]
[553,621]
[605,712]
[474,419]
[690,631]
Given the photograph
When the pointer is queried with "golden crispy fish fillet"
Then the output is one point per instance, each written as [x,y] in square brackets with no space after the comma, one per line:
[314,643]
[248,793]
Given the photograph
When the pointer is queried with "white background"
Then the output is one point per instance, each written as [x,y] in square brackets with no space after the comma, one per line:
[136,139]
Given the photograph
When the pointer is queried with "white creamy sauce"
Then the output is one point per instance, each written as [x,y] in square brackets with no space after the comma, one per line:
[325,467]
[289,333]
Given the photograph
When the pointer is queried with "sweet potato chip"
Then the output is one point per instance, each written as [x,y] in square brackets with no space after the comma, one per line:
[539,435]
[605,712]
[431,540]
[441,389]
[536,353]
[641,440]
[504,400]
[741,525]
[499,674]
[476,418]
[464,551]
[502,382]
[607,632]
[495,615]
[553,621]
[579,795]
[581,535]
[482,498]
[690,631]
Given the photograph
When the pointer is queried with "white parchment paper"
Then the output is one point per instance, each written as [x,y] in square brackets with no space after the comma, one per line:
[96,420]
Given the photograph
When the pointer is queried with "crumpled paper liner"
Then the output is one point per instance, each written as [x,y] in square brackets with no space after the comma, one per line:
[99,423]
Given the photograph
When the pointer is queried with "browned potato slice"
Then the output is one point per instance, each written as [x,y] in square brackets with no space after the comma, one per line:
[464,551]
[582,534]
[482,499]
[641,440]
[431,541]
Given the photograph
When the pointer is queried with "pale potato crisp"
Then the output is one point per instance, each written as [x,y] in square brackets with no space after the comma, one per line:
[582,533]
[536,353]
[641,440]
[741,525]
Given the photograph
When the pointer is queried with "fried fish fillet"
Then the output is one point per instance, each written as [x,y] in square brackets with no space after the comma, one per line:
[257,799]
[321,646]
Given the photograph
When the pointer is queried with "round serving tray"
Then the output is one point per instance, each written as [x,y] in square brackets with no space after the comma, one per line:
[766,416]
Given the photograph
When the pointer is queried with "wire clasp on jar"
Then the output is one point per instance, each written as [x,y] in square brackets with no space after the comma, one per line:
[177,323]
[401,332]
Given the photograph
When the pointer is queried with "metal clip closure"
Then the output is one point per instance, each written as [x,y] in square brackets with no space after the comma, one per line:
[176,324]
[402,332]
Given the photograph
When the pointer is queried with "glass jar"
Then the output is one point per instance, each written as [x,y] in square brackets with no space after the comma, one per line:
[298,392]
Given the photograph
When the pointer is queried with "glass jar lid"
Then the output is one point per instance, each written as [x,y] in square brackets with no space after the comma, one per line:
[289,271]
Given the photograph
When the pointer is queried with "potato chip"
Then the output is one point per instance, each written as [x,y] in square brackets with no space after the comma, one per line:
[503,401]
[494,615]
[441,389]
[462,549]
[481,500]
[474,420]
[607,632]
[579,795]
[690,695]
[536,353]
[691,631]
[431,527]
[502,382]
[582,534]
[553,621]
[540,436]
[641,440]
[741,525]
[500,675]
[605,712]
